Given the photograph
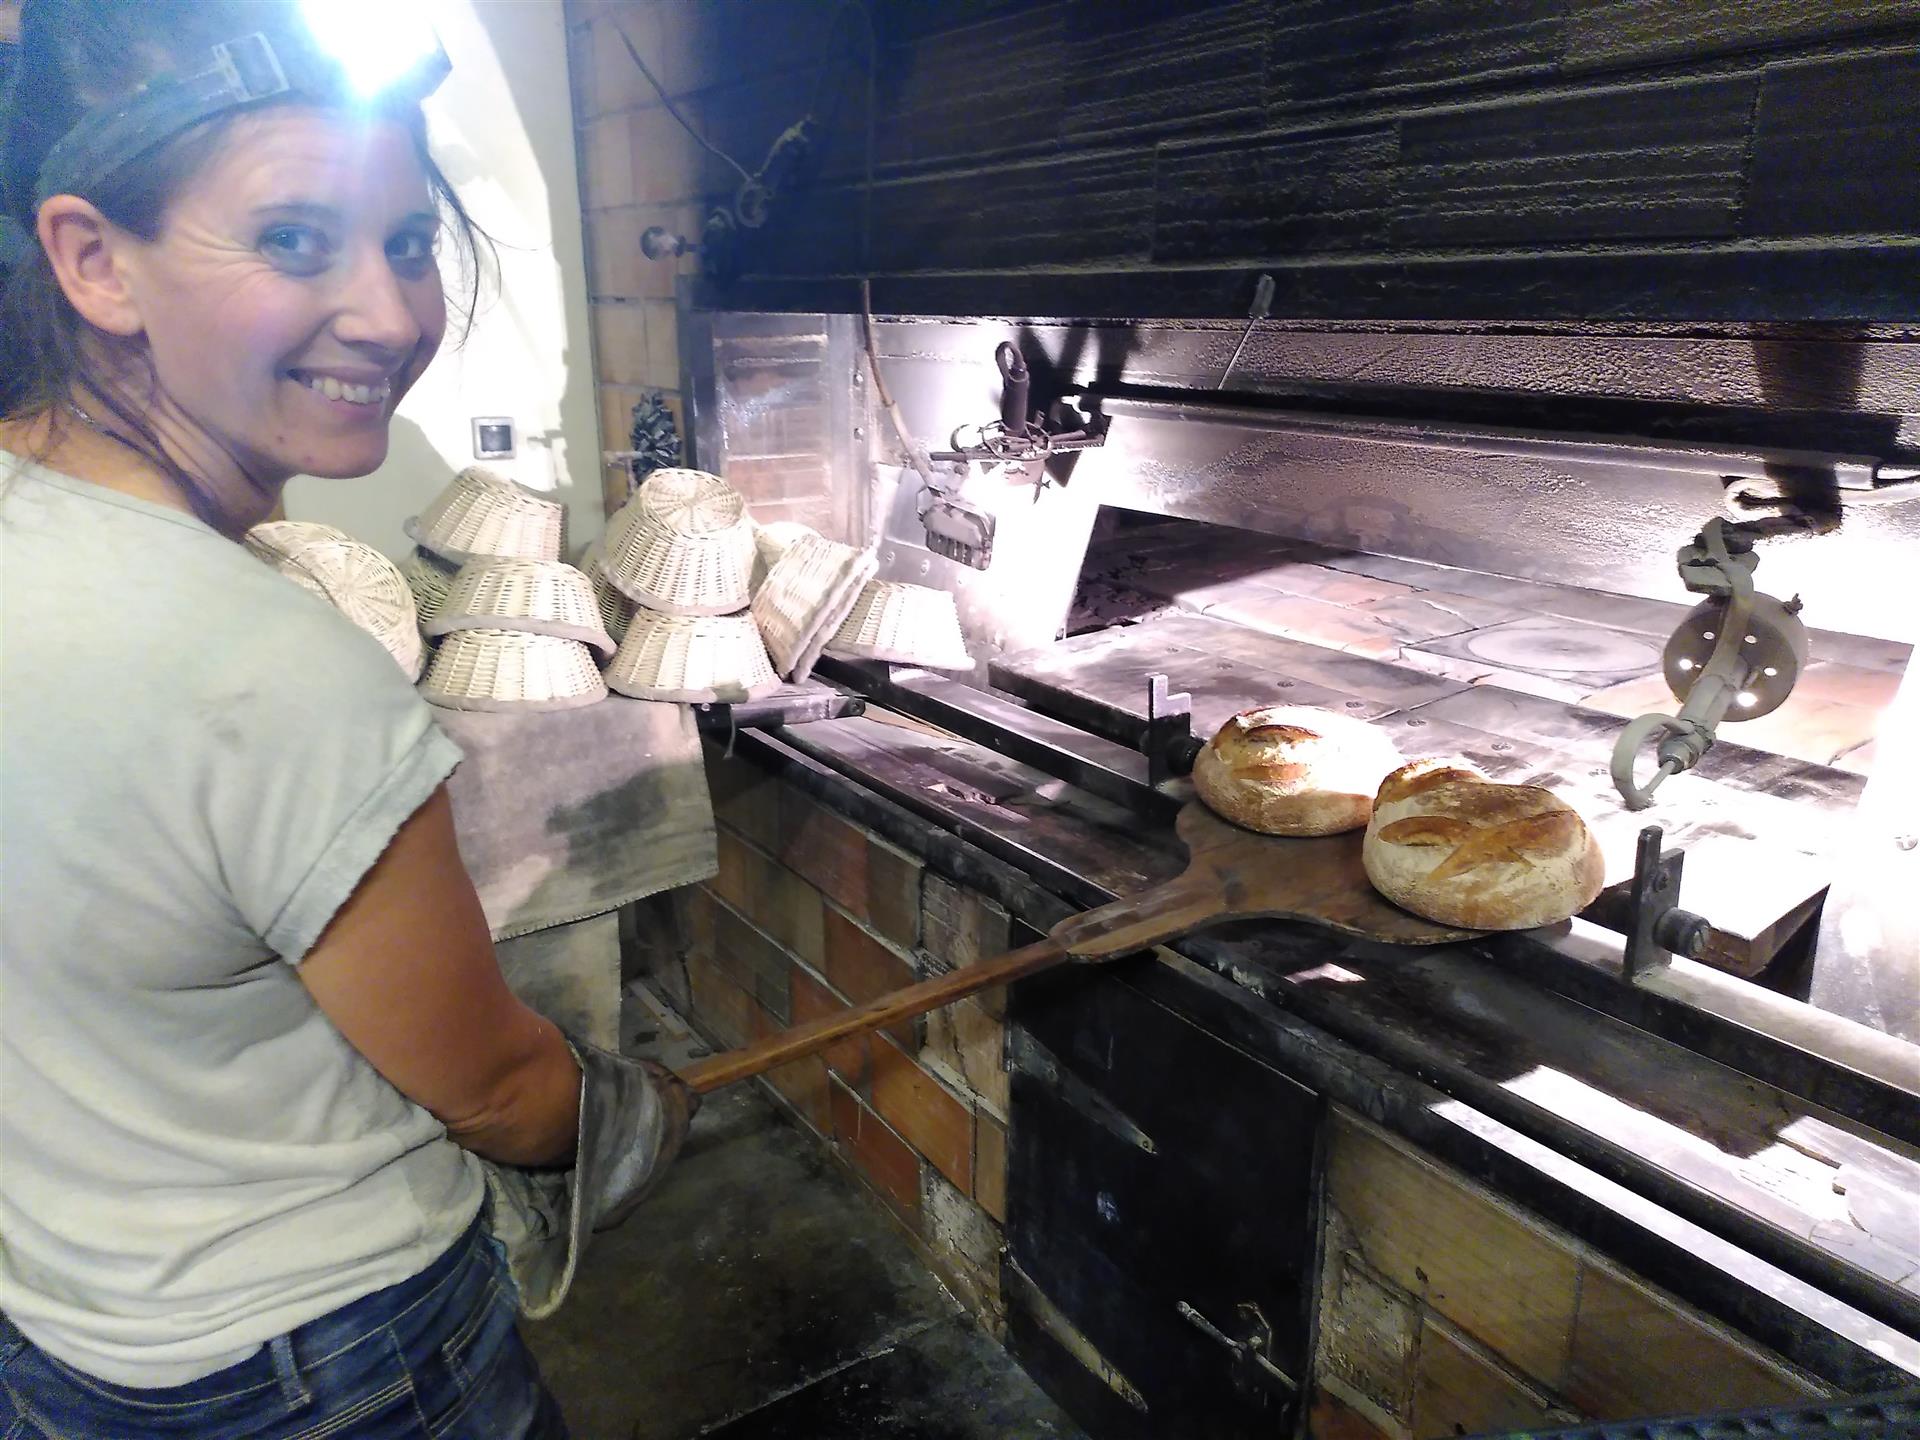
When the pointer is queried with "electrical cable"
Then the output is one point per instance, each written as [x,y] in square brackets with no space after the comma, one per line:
[917,455]
[674,111]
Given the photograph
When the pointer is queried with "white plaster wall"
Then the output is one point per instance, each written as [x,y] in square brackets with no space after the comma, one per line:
[501,128]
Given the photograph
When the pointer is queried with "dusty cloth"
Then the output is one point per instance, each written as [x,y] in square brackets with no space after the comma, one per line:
[567,814]
[571,975]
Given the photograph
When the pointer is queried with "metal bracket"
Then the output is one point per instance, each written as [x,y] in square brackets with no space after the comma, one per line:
[1170,746]
[1657,928]
[1253,1350]
[961,532]
[790,705]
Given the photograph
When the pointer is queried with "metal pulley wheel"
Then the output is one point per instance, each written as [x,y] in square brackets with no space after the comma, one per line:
[1773,651]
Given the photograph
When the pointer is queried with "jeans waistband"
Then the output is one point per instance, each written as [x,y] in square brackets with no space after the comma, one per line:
[281,1361]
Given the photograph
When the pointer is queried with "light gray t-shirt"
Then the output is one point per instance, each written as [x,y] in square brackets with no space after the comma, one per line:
[198,762]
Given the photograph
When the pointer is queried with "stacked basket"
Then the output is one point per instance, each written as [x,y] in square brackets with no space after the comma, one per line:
[519,635]
[355,579]
[810,585]
[681,552]
[904,624]
[516,627]
[480,514]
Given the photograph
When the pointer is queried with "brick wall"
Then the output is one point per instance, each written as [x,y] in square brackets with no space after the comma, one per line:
[1457,159]
[1445,1310]
[637,168]
[809,914]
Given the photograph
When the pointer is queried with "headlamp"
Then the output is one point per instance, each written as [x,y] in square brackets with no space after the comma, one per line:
[344,56]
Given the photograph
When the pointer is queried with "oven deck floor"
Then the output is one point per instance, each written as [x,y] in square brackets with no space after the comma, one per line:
[1463,628]
[1760,828]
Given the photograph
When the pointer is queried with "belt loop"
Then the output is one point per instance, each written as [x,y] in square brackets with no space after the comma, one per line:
[293,1389]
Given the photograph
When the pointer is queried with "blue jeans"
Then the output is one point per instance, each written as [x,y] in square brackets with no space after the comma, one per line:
[437,1355]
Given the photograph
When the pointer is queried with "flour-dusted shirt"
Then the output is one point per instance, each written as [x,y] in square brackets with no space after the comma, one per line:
[198,763]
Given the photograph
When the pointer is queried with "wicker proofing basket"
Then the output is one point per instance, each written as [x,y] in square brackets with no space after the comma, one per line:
[692,660]
[905,624]
[429,577]
[807,593]
[616,610]
[482,513]
[274,540]
[366,587]
[540,597]
[512,670]
[770,542]
[683,545]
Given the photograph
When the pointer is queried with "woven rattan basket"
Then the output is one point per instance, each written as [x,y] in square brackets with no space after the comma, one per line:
[273,540]
[512,670]
[429,577]
[615,609]
[683,545]
[365,586]
[482,513]
[770,542]
[805,596]
[905,624]
[692,659]
[541,597]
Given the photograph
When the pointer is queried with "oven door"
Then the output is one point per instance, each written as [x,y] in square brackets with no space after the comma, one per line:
[1160,1222]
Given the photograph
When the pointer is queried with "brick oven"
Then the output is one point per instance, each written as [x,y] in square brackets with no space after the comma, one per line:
[1384,359]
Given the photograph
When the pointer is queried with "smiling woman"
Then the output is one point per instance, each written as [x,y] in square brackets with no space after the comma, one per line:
[251,205]
[255,1045]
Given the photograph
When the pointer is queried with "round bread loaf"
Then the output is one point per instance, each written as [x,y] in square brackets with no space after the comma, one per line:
[1448,843]
[1293,770]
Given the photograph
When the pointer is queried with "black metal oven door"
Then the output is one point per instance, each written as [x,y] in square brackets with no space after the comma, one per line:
[1160,1214]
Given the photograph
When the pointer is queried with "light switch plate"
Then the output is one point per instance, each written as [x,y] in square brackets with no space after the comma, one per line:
[495,437]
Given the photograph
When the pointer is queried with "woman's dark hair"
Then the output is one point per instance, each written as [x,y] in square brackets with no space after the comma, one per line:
[74,56]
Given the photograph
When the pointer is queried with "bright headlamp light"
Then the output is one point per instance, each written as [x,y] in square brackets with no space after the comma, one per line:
[344,55]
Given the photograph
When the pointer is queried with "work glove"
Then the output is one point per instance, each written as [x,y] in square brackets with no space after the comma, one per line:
[634,1116]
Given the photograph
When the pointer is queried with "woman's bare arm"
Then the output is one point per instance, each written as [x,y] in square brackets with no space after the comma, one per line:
[407,972]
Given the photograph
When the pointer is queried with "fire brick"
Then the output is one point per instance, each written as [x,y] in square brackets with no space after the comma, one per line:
[971,1044]
[865,876]
[882,1156]
[752,961]
[966,1245]
[925,1112]
[723,1009]
[806,1086]
[959,927]
[776,900]
[847,1058]
[990,1166]
[861,968]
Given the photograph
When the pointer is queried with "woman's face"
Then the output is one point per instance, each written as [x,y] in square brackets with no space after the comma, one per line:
[292,296]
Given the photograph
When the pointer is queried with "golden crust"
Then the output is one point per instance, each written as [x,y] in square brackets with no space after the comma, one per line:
[1292,770]
[1418,776]
[1449,844]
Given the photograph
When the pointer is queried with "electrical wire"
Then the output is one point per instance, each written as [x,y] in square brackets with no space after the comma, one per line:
[917,456]
[674,111]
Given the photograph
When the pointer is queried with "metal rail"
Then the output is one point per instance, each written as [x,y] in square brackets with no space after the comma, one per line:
[1806,1057]
[1870,1417]
[1855,473]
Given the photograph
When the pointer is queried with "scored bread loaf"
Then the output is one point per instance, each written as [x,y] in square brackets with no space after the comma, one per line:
[1449,844]
[1293,770]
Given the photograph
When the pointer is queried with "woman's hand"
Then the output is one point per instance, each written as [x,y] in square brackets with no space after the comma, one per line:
[406,970]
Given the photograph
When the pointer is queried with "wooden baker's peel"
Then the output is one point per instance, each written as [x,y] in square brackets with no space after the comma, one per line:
[1231,874]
